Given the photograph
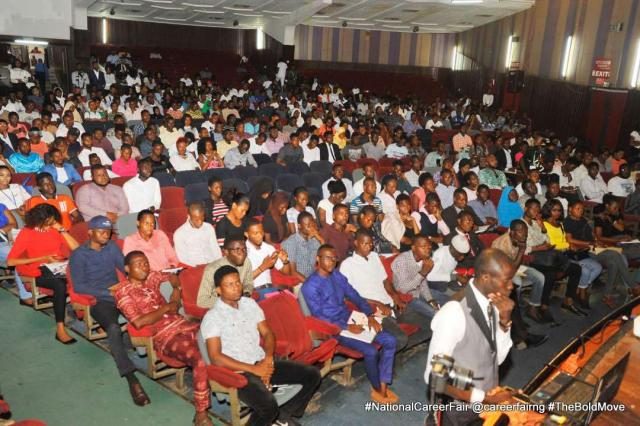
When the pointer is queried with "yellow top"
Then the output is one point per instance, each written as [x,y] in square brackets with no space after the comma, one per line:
[557,236]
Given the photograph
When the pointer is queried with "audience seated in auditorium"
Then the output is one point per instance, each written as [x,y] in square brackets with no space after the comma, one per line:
[337,174]
[451,213]
[239,156]
[592,186]
[62,171]
[153,242]
[232,330]
[139,299]
[621,185]
[303,245]
[93,268]
[101,197]
[183,160]
[410,270]
[44,241]
[143,191]
[63,203]
[25,161]
[401,225]
[195,241]
[264,258]
[325,292]
[234,254]
[88,149]
[483,207]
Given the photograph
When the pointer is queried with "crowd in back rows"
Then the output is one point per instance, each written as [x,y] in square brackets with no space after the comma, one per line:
[436,206]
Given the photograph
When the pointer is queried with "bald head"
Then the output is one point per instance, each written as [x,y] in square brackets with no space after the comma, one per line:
[491,261]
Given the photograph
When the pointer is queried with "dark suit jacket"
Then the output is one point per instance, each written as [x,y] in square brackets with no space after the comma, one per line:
[7,149]
[501,156]
[450,217]
[97,81]
[324,151]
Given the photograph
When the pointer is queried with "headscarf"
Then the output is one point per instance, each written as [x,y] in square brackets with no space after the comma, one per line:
[277,200]
[508,210]
[259,205]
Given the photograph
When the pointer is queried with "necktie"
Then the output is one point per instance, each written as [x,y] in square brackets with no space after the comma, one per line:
[471,251]
[492,324]
[331,153]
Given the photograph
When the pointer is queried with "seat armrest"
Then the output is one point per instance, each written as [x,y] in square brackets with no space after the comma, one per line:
[226,377]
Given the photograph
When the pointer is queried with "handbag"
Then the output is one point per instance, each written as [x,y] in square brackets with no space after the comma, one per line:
[551,258]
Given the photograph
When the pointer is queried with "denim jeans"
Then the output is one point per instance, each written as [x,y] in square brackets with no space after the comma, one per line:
[534,278]
[591,270]
[4,252]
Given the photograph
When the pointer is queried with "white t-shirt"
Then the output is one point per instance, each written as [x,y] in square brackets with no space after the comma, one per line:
[14,196]
[367,277]
[293,213]
[328,208]
[621,187]
[256,256]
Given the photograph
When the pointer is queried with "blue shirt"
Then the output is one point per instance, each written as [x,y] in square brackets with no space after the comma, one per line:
[3,219]
[31,163]
[325,297]
[93,272]
[72,174]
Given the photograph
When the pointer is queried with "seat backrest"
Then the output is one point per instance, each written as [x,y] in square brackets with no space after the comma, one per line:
[271,169]
[357,174]
[186,177]
[172,219]
[298,168]
[321,166]
[262,159]
[165,179]
[76,186]
[127,225]
[286,320]
[190,279]
[120,181]
[361,162]
[244,172]
[202,347]
[80,232]
[196,192]
[313,180]
[487,238]
[172,197]
[346,164]
[304,308]
[386,262]
[238,184]
[288,182]
[253,179]
[494,196]
[222,173]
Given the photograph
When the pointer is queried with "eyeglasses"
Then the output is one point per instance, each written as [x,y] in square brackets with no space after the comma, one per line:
[332,258]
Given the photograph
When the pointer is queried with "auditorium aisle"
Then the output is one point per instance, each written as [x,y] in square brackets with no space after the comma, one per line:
[76,385]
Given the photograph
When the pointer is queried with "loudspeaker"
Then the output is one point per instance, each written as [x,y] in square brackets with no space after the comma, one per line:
[515,81]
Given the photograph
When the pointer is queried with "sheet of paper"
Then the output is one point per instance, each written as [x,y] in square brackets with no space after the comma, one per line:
[359,318]
[57,268]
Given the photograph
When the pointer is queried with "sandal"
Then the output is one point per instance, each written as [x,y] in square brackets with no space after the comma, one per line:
[204,421]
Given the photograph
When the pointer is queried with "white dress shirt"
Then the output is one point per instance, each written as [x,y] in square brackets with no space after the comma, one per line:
[389,202]
[443,265]
[448,328]
[593,189]
[256,255]
[83,156]
[358,187]
[412,177]
[196,246]
[181,164]
[310,155]
[142,194]
[347,183]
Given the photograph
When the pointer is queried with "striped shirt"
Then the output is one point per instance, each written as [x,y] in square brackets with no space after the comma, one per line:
[218,211]
[358,203]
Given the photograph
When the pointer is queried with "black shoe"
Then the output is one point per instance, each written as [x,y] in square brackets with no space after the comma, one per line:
[68,342]
[533,340]
[535,314]
[573,309]
[139,396]
[23,303]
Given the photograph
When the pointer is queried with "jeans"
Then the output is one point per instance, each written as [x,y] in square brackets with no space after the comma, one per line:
[591,270]
[617,269]
[261,400]
[4,252]
[378,365]
[537,281]
[425,309]
[106,314]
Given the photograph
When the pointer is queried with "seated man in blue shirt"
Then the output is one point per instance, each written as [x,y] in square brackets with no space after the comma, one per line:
[324,292]
[62,172]
[93,270]
[25,161]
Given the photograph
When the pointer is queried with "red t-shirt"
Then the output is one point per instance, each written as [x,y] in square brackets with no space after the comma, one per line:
[31,243]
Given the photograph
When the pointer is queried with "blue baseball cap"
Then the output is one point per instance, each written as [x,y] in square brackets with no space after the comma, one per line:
[100,222]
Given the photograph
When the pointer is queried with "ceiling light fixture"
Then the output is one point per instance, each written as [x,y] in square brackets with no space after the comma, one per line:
[31,42]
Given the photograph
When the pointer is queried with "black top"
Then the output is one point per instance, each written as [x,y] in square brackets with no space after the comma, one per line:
[270,228]
[226,229]
[579,229]
[608,230]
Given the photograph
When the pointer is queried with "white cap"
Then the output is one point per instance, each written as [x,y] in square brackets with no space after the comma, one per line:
[635,135]
[461,244]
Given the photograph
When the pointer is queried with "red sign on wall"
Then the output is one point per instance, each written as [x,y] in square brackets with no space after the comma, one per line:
[601,71]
